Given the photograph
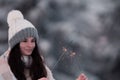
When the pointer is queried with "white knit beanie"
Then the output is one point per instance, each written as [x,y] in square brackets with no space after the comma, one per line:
[19,28]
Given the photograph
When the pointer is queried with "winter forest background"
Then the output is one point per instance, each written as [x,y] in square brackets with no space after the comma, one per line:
[76,36]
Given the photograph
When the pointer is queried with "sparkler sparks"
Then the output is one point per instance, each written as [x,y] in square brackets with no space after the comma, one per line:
[65,51]
[72,54]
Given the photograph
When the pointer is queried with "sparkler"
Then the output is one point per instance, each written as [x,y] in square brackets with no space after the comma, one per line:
[74,57]
[72,54]
[59,59]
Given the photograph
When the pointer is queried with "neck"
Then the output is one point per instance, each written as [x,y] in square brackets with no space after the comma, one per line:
[27,60]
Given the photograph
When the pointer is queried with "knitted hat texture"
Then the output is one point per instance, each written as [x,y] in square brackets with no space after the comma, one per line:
[19,28]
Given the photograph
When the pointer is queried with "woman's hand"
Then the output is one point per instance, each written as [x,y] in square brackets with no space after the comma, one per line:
[82,77]
[43,78]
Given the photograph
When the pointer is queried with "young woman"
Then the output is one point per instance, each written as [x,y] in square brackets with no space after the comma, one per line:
[23,61]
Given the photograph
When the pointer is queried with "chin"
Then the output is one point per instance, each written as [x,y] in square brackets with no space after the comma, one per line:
[28,54]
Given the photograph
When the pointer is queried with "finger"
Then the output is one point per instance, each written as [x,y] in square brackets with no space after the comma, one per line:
[82,77]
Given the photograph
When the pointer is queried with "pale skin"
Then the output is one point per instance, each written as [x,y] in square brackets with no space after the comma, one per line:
[80,77]
[28,45]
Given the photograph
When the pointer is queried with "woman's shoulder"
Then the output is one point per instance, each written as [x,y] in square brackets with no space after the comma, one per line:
[3,62]
[5,71]
[4,56]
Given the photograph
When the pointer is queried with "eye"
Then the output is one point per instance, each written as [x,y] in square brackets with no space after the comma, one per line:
[33,40]
[24,40]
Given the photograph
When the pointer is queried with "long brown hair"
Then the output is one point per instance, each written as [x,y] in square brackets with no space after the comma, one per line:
[17,66]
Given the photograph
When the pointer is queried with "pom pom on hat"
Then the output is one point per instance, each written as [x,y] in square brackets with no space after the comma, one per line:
[13,16]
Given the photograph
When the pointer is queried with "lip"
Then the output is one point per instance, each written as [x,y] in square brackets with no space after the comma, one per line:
[28,49]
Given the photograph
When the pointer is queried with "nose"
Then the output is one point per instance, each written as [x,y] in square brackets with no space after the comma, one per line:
[30,44]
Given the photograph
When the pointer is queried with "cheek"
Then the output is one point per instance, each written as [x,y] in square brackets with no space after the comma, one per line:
[33,45]
[22,47]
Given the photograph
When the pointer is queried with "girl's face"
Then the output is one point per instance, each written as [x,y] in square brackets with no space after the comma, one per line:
[27,46]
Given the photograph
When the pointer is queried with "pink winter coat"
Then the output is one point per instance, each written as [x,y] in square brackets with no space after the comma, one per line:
[5,72]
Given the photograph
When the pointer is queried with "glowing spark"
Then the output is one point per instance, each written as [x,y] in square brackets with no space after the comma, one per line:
[72,54]
[64,49]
